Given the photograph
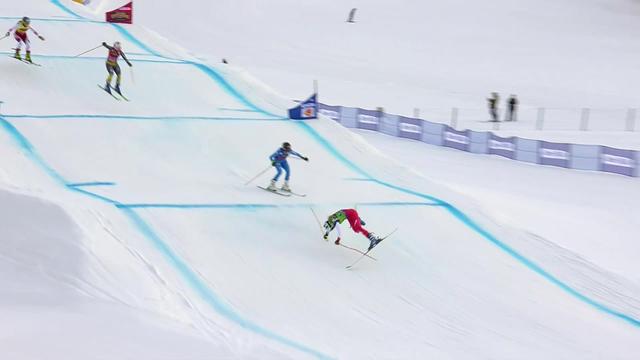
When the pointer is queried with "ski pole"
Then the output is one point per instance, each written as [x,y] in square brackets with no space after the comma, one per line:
[99,46]
[133,78]
[318,221]
[257,176]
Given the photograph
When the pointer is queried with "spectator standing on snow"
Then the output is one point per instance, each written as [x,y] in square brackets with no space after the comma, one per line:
[352,15]
[493,106]
[512,108]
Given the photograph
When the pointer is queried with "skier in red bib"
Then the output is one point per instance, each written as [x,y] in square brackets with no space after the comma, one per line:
[20,35]
[356,223]
[115,52]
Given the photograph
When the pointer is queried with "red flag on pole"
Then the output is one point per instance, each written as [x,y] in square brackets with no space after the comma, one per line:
[121,15]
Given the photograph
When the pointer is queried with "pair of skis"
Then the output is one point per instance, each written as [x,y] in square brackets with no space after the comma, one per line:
[282,192]
[25,61]
[366,253]
[122,97]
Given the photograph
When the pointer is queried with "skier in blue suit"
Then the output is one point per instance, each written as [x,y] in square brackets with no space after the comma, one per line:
[279,161]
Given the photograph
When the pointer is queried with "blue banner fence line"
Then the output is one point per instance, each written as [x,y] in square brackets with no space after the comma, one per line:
[570,156]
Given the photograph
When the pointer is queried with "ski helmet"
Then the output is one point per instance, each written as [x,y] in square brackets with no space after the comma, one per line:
[117,45]
[26,20]
[286,146]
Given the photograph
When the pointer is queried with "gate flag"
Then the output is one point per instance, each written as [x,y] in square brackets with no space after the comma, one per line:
[121,15]
[307,109]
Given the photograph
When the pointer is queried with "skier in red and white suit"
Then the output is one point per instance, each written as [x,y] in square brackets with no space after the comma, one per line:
[352,216]
[21,36]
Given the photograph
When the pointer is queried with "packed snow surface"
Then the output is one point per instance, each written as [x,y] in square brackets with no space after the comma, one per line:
[129,232]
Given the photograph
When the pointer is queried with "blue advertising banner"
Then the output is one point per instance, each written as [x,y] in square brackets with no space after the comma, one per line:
[556,154]
[331,111]
[502,146]
[410,128]
[618,161]
[574,156]
[368,119]
[456,139]
[307,109]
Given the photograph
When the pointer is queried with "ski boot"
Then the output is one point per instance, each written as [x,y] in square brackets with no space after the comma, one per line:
[272,186]
[28,57]
[107,87]
[285,186]
[117,88]
[17,55]
[374,241]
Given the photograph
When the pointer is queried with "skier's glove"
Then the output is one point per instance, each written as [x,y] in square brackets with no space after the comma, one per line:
[130,64]
[41,37]
[273,163]
[104,43]
[305,158]
[337,242]
[9,33]
[325,236]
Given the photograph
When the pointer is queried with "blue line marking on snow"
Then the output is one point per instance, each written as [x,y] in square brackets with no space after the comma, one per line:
[29,150]
[207,294]
[240,110]
[205,291]
[65,9]
[93,195]
[222,82]
[118,27]
[396,203]
[207,206]
[356,179]
[135,117]
[76,20]
[134,40]
[262,206]
[162,60]
[536,268]
[94,183]
[192,278]
[466,220]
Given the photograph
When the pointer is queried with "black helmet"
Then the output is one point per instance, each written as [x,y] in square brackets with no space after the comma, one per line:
[286,146]
[26,20]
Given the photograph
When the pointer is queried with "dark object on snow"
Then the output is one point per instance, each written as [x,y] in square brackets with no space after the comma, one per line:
[493,106]
[224,61]
[352,15]
[512,109]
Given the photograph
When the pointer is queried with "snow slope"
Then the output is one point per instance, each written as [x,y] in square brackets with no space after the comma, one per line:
[156,229]
[434,55]
[593,214]
[56,299]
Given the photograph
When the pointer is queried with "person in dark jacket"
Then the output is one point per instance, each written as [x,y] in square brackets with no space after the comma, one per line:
[279,161]
[512,108]
[493,106]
